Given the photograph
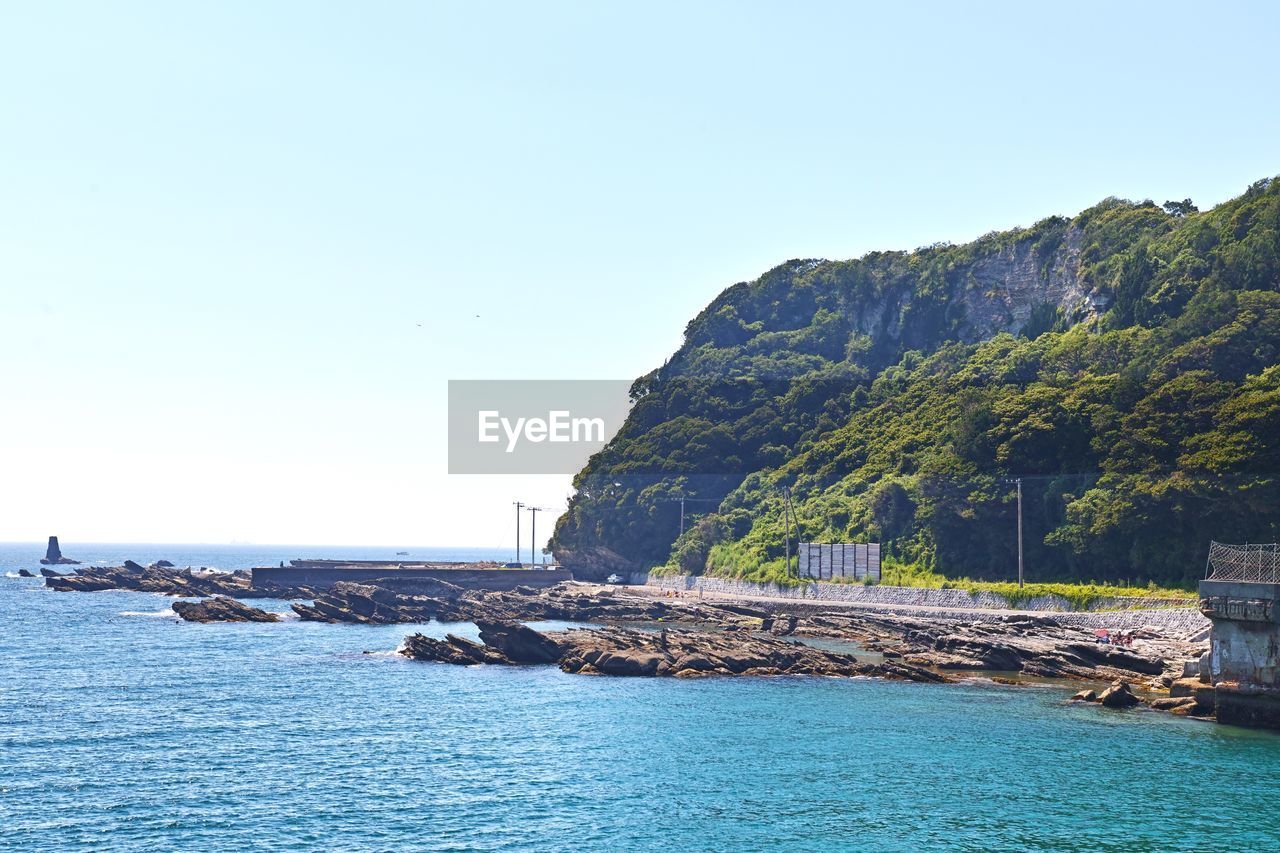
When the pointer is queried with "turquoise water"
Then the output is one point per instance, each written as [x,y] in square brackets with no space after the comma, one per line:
[123,729]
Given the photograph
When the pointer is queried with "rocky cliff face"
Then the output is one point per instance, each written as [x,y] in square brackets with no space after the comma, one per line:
[1001,292]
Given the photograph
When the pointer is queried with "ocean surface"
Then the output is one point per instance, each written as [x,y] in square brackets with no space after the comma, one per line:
[122,728]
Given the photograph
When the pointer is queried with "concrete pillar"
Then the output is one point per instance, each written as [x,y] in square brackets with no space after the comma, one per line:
[1244,650]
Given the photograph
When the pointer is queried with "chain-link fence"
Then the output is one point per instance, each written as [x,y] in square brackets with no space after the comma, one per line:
[1259,563]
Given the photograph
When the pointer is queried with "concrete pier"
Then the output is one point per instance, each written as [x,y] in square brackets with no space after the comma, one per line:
[1244,650]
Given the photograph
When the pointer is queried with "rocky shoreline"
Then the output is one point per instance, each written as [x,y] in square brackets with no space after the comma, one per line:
[165,579]
[648,635]
[221,609]
[630,652]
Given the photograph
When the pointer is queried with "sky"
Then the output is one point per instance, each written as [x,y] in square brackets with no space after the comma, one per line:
[244,245]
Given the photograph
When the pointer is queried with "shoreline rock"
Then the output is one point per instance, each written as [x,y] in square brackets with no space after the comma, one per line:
[1118,695]
[628,652]
[715,637]
[221,609]
[180,582]
[418,601]
[1029,645]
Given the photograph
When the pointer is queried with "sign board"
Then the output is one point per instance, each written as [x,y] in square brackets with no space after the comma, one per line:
[833,560]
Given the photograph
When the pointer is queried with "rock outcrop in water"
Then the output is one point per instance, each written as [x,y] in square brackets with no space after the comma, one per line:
[1118,695]
[221,609]
[183,582]
[53,555]
[1189,697]
[422,600]
[628,652]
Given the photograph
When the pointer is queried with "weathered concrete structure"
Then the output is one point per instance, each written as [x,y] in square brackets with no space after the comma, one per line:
[324,574]
[1244,650]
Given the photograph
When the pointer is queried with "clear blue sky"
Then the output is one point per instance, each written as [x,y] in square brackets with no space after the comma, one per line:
[221,224]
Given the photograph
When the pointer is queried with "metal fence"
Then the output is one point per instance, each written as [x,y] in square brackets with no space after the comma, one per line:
[830,560]
[1259,563]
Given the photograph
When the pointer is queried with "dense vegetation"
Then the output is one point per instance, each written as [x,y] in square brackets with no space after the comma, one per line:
[1125,364]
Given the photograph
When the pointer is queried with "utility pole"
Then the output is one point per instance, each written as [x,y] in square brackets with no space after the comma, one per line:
[682,499]
[795,525]
[533,531]
[786,525]
[787,515]
[1019,481]
[518,506]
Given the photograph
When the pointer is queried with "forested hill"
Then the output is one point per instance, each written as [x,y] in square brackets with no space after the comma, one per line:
[1124,363]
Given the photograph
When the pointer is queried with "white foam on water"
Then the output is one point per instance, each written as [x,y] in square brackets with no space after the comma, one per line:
[167,613]
[12,575]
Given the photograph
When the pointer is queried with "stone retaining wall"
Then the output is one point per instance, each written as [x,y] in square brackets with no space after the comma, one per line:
[898,595]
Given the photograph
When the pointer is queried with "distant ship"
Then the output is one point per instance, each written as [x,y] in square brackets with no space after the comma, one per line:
[402,553]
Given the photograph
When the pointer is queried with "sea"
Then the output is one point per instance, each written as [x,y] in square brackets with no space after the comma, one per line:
[123,728]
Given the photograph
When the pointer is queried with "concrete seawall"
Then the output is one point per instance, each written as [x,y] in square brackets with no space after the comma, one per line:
[1115,613]
[901,595]
[327,575]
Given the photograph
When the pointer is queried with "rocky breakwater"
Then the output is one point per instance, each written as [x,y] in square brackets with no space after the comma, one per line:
[166,581]
[221,609]
[677,653]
